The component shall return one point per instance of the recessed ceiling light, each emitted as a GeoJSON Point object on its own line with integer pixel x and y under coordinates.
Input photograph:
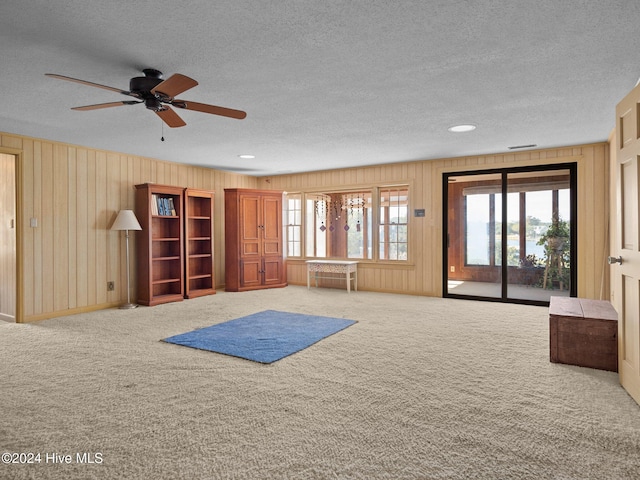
{"type": "Point", "coordinates": [462, 128]}
{"type": "Point", "coordinates": [246, 156]}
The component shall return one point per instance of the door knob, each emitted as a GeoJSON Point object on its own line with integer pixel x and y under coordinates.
{"type": "Point", "coordinates": [614, 260]}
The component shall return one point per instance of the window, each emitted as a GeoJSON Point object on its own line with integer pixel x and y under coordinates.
{"type": "Point", "coordinates": [357, 224]}
{"type": "Point", "coordinates": [393, 223]}
{"type": "Point", "coordinates": [294, 225]}
{"type": "Point", "coordinates": [479, 228]}
{"type": "Point", "coordinates": [338, 225]}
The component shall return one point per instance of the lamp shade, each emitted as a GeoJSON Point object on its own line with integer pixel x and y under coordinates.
{"type": "Point", "coordinates": [126, 220]}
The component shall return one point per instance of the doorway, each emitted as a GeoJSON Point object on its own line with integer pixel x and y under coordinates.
{"type": "Point", "coordinates": [509, 234]}
{"type": "Point", "coordinates": [8, 253]}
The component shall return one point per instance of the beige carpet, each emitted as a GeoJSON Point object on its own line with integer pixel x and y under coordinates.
{"type": "Point", "coordinates": [420, 388]}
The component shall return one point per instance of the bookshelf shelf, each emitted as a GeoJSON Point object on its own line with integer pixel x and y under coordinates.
{"type": "Point", "coordinates": [166, 280]}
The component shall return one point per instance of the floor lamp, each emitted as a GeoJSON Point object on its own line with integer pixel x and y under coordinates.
{"type": "Point", "coordinates": [126, 220]}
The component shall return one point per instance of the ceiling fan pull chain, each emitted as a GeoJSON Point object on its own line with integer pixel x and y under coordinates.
{"type": "Point", "coordinates": [162, 131]}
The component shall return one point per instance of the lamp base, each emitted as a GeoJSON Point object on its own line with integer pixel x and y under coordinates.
{"type": "Point", "coordinates": [128, 306]}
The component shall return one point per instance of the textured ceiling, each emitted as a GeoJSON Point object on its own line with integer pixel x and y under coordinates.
{"type": "Point", "coordinates": [325, 84]}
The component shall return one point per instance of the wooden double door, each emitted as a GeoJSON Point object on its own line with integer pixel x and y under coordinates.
{"type": "Point", "coordinates": [253, 239]}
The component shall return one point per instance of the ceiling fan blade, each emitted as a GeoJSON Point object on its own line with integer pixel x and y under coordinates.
{"type": "Point", "coordinates": [170, 117]}
{"type": "Point", "coordinates": [105, 105]}
{"type": "Point", "coordinates": [174, 85]}
{"type": "Point", "coordinates": [203, 107]}
{"type": "Point", "coordinates": [90, 84]}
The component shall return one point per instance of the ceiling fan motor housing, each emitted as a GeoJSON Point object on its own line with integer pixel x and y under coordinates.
{"type": "Point", "coordinates": [142, 86]}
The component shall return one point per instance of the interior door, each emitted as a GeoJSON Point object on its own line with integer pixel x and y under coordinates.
{"type": "Point", "coordinates": [625, 244]}
{"type": "Point", "coordinates": [8, 255]}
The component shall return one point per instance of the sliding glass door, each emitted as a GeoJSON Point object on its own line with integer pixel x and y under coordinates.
{"type": "Point", "coordinates": [509, 234]}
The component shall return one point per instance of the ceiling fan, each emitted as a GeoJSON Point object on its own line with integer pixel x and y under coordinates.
{"type": "Point", "coordinates": [157, 95]}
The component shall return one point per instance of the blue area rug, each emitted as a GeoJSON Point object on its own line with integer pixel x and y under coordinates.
{"type": "Point", "coordinates": [263, 337]}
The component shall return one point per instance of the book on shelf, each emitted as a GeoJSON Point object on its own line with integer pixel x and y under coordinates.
{"type": "Point", "coordinates": [154, 204]}
{"type": "Point", "coordinates": [162, 206]}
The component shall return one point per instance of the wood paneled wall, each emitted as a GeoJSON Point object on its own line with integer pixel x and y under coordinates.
{"type": "Point", "coordinates": [423, 274]}
{"type": "Point", "coordinates": [74, 194]}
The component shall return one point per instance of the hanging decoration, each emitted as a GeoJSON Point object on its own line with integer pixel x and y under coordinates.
{"type": "Point", "coordinates": [321, 208]}
{"type": "Point", "coordinates": [349, 209]}
{"type": "Point", "coordinates": [331, 208]}
{"type": "Point", "coordinates": [360, 203]}
{"type": "Point", "coordinates": [334, 213]}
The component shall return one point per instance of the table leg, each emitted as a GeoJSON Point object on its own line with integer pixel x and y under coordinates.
{"type": "Point", "coordinates": [308, 278]}
{"type": "Point", "coordinates": [348, 276]}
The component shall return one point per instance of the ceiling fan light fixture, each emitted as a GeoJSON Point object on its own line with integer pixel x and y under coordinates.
{"type": "Point", "coordinates": [463, 128]}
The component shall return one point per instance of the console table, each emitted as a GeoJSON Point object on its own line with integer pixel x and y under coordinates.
{"type": "Point", "coordinates": [348, 268]}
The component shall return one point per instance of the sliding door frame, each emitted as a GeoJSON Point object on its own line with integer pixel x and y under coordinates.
{"type": "Point", "coordinates": [504, 172]}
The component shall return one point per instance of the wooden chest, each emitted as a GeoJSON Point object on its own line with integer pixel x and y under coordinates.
{"type": "Point", "coordinates": [583, 332]}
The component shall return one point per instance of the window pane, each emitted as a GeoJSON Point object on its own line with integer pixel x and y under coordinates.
{"type": "Point", "coordinates": [310, 223]}
{"type": "Point", "coordinates": [513, 229]}
{"type": "Point", "coordinates": [539, 211]}
{"type": "Point", "coordinates": [316, 239]}
{"type": "Point", "coordinates": [543, 270]}
{"type": "Point", "coordinates": [293, 237]}
{"type": "Point", "coordinates": [564, 204]}
{"type": "Point", "coordinates": [477, 229]}
{"type": "Point", "coordinates": [357, 206]}
{"type": "Point", "coordinates": [294, 224]}
{"type": "Point", "coordinates": [497, 246]}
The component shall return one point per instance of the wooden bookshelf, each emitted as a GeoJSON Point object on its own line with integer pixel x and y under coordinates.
{"type": "Point", "coordinates": [199, 260]}
{"type": "Point", "coordinates": [160, 257]}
